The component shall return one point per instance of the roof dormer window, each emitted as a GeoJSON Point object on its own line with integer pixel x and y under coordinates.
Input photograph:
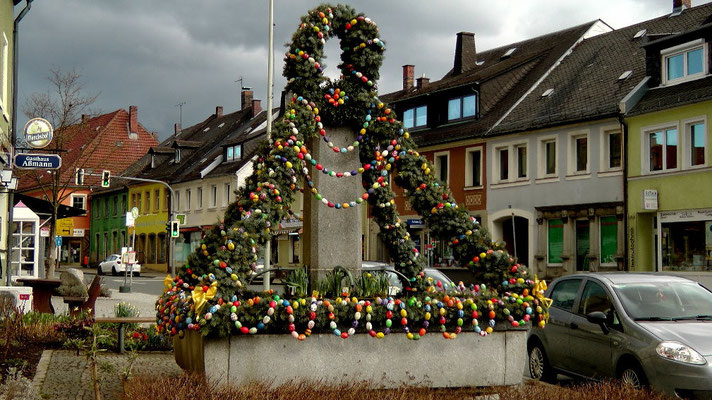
{"type": "Point", "coordinates": [233, 152]}
{"type": "Point", "coordinates": [462, 107]}
{"type": "Point", "coordinates": [415, 117]}
{"type": "Point", "coordinates": [177, 156]}
{"type": "Point", "coordinates": [684, 62]}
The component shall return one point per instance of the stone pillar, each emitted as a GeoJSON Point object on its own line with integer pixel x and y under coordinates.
{"type": "Point", "coordinates": [333, 237]}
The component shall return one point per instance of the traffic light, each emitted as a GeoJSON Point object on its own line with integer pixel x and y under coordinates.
{"type": "Point", "coordinates": [175, 229]}
{"type": "Point", "coordinates": [79, 176]}
{"type": "Point", "coordinates": [105, 178]}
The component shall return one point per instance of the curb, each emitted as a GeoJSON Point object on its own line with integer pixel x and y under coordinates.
{"type": "Point", "coordinates": [41, 373]}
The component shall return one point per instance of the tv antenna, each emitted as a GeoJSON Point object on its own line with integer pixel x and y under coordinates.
{"type": "Point", "coordinates": [242, 87]}
{"type": "Point", "coordinates": [180, 112]}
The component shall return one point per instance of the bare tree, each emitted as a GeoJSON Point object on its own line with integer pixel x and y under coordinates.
{"type": "Point", "coordinates": [63, 105]}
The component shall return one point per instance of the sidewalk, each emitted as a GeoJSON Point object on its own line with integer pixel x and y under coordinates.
{"type": "Point", "coordinates": [64, 375]}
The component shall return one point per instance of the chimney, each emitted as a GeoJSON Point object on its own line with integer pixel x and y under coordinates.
{"type": "Point", "coordinates": [465, 52]}
{"type": "Point", "coordinates": [246, 99]}
{"type": "Point", "coordinates": [133, 119]}
{"type": "Point", "coordinates": [679, 5]}
{"type": "Point", "coordinates": [408, 72]}
{"type": "Point", "coordinates": [256, 107]}
{"type": "Point", "coordinates": [176, 129]}
{"type": "Point", "coordinates": [218, 111]}
{"type": "Point", "coordinates": [423, 82]}
{"type": "Point", "coordinates": [85, 118]}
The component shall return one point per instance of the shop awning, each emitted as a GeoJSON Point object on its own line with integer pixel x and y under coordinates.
{"type": "Point", "coordinates": [43, 208]}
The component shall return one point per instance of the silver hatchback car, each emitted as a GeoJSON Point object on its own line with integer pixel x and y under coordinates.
{"type": "Point", "coordinates": [646, 329]}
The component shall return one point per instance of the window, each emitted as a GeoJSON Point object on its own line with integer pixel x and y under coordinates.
{"type": "Point", "coordinates": [187, 200]}
{"type": "Point", "coordinates": [415, 117]}
{"type": "Point", "coordinates": [521, 160]}
{"type": "Point", "coordinates": [509, 160]}
{"type": "Point", "coordinates": [547, 155]}
{"type": "Point", "coordinates": [295, 248]}
{"type": "Point", "coordinates": [441, 166]}
{"type": "Point", "coordinates": [233, 152]}
{"type": "Point", "coordinates": [462, 107]}
{"type": "Point", "coordinates": [148, 202]}
{"type": "Point", "coordinates": [697, 139]}
{"type": "Point", "coordinates": [662, 147]}
{"type": "Point", "coordinates": [79, 201]}
{"type": "Point", "coordinates": [555, 242]}
{"type": "Point", "coordinates": [564, 294]}
{"type": "Point", "coordinates": [684, 62]}
{"type": "Point", "coordinates": [156, 200]}
{"type": "Point", "coordinates": [609, 240]}
{"type": "Point", "coordinates": [594, 298]}
{"type": "Point", "coordinates": [123, 204]}
{"type": "Point", "coordinates": [213, 196]}
{"type": "Point", "coordinates": [578, 154]}
{"type": "Point", "coordinates": [503, 163]}
{"type": "Point", "coordinates": [473, 171]}
{"type": "Point", "coordinates": [133, 200]}
{"type": "Point", "coordinates": [116, 205]}
{"type": "Point", "coordinates": [4, 73]}
{"type": "Point", "coordinates": [199, 198]}
{"type": "Point", "coordinates": [106, 207]}
{"type": "Point", "coordinates": [177, 205]}
{"type": "Point", "coordinates": [97, 208]}
{"type": "Point", "coordinates": [138, 201]}
{"type": "Point", "coordinates": [226, 195]}
{"type": "Point", "coordinates": [612, 150]}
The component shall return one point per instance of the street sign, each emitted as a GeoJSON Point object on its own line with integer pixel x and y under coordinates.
{"type": "Point", "coordinates": [38, 133]}
{"type": "Point", "coordinates": [65, 227]}
{"type": "Point", "coordinates": [38, 161]}
{"type": "Point", "coordinates": [181, 218]}
{"type": "Point", "coordinates": [58, 241]}
{"type": "Point", "coordinates": [130, 220]}
{"type": "Point", "coordinates": [134, 212]}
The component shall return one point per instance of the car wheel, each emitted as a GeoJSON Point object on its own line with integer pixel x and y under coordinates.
{"type": "Point", "coordinates": [633, 375]}
{"type": "Point", "coordinates": [99, 271]}
{"type": "Point", "coordinates": [539, 367]}
{"type": "Point", "coordinates": [113, 271]}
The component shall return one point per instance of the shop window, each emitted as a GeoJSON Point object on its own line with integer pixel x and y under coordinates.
{"type": "Point", "coordinates": [583, 244]}
{"type": "Point", "coordinates": [415, 117]}
{"type": "Point", "coordinates": [609, 240]}
{"type": "Point", "coordinates": [555, 241]}
{"type": "Point", "coordinates": [684, 245]}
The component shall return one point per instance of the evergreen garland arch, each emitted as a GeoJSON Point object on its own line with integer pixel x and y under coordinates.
{"type": "Point", "coordinates": [209, 294]}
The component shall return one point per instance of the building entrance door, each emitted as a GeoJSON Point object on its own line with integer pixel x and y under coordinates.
{"type": "Point", "coordinates": [583, 244]}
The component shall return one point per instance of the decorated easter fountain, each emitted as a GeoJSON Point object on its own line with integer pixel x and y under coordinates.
{"type": "Point", "coordinates": [233, 335]}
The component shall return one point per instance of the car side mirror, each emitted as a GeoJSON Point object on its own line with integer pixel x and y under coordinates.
{"type": "Point", "coordinates": [598, 317]}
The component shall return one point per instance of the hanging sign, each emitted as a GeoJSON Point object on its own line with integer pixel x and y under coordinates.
{"type": "Point", "coordinates": [38, 161]}
{"type": "Point", "coordinates": [38, 133]}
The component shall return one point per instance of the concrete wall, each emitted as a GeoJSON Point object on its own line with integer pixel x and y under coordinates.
{"type": "Point", "coordinates": [469, 360]}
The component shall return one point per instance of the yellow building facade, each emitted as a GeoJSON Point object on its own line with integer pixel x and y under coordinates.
{"type": "Point", "coordinates": [150, 239]}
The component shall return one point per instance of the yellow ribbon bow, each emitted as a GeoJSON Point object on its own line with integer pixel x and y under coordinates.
{"type": "Point", "coordinates": [539, 289]}
{"type": "Point", "coordinates": [168, 283]}
{"type": "Point", "coordinates": [201, 297]}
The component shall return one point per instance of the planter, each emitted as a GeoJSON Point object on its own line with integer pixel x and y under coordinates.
{"type": "Point", "coordinates": [432, 361]}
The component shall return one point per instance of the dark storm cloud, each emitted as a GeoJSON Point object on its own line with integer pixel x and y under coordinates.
{"type": "Point", "coordinates": [155, 54]}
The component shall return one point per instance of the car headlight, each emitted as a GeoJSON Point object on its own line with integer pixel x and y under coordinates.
{"type": "Point", "coordinates": [679, 352]}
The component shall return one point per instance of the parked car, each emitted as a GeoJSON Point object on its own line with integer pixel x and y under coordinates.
{"type": "Point", "coordinates": [114, 265]}
{"type": "Point", "coordinates": [646, 329]}
{"type": "Point", "coordinates": [395, 284]}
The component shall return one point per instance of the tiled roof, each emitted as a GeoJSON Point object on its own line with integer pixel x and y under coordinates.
{"type": "Point", "coordinates": [586, 84]}
{"type": "Point", "coordinates": [100, 143]}
{"type": "Point", "coordinates": [674, 96]}
{"type": "Point", "coordinates": [197, 143]}
{"type": "Point", "coordinates": [501, 81]}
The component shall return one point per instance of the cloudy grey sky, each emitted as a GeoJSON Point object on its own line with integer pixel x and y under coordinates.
{"type": "Point", "coordinates": [156, 54]}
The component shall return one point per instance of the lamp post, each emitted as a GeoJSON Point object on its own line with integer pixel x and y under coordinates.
{"type": "Point", "coordinates": [270, 73]}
